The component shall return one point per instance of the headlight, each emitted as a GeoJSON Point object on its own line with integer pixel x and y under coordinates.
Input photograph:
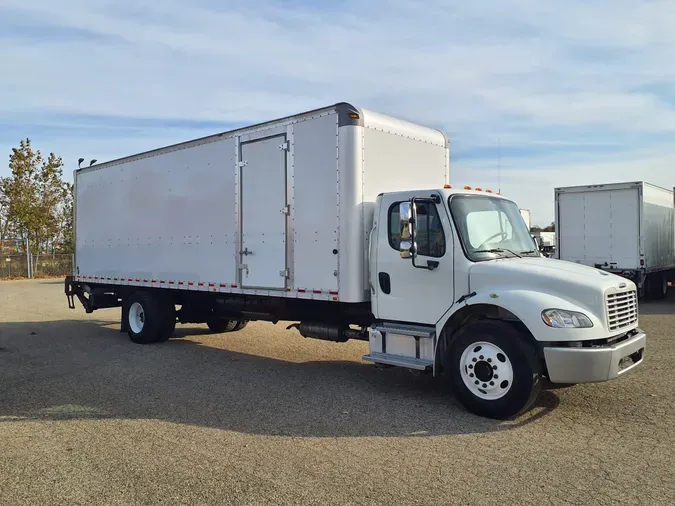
{"type": "Point", "coordinates": [558, 318]}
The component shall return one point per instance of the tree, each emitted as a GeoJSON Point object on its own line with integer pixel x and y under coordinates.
{"type": "Point", "coordinates": [34, 196]}
{"type": "Point", "coordinates": [65, 240]}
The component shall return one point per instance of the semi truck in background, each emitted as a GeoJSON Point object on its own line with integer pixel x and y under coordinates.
{"type": "Point", "coordinates": [341, 222]}
{"type": "Point", "coordinates": [623, 228]}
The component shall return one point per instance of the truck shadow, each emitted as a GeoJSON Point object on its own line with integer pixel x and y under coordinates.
{"type": "Point", "coordinates": [89, 370]}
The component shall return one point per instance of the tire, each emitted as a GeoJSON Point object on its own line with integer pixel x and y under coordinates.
{"type": "Point", "coordinates": [662, 286]}
{"type": "Point", "coordinates": [146, 318]}
{"type": "Point", "coordinates": [169, 311]}
{"type": "Point", "coordinates": [221, 325]}
{"type": "Point", "coordinates": [241, 324]}
{"type": "Point", "coordinates": [477, 353]}
{"type": "Point", "coordinates": [657, 286]}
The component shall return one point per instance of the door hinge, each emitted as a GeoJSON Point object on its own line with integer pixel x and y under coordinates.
{"type": "Point", "coordinates": [286, 209]}
{"type": "Point", "coordinates": [286, 273]}
{"type": "Point", "coordinates": [285, 146]}
{"type": "Point", "coordinates": [243, 163]}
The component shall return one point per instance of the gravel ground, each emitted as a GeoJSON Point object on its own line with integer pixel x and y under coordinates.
{"type": "Point", "coordinates": [264, 416]}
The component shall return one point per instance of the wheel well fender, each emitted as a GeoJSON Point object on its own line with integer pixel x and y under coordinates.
{"type": "Point", "coordinates": [472, 313]}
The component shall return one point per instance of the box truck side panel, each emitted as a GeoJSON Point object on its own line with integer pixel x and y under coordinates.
{"type": "Point", "coordinates": [165, 217]}
{"type": "Point", "coordinates": [315, 206]}
{"type": "Point", "coordinates": [600, 226]}
{"type": "Point", "coordinates": [658, 221]}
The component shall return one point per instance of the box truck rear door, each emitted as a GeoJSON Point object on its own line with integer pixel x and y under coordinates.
{"type": "Point", "coordinates": [600, 226]}
{"type": "Point", "coordinates": [263, 204]}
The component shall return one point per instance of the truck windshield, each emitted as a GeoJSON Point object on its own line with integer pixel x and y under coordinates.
{"type": "Point", "coordinates": [491, 227]}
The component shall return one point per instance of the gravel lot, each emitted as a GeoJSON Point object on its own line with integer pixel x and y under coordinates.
{"type": "Point", "coordinates": [264, 416]}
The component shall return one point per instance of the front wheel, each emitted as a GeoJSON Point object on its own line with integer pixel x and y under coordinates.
{"type": "Point", "coordinates": [494, 370]}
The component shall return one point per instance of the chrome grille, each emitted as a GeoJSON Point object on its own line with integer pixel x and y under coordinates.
{"type": "Point", "coordinates": [622, 309]}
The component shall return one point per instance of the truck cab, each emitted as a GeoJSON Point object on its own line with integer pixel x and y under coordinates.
{"type": "Point", "coordinates": [458, 286]}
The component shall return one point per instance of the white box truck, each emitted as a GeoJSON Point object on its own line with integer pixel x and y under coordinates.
{"type": "Point", "coordinates": [342, 221]}
{"type": "Point", "coordinates": [624, 228]}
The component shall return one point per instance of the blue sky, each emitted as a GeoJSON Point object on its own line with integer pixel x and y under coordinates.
{"type": "Point", "coordinates": [533, 93]}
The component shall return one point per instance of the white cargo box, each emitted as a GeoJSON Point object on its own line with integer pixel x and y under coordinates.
{"type": "Point", "coordinates": [283, 208]}
{"type": "Point", "coordinates": [621, 226]}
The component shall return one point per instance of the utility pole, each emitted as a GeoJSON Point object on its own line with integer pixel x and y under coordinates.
{"type": "Point", "coordinates": [28, 258]}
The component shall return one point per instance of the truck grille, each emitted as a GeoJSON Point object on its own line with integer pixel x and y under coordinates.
{"type": "Point", "coordinates": [622, 309]}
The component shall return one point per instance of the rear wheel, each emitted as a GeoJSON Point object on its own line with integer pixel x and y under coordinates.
{"type": "Point", "coordinates": [147, 318]}
{"type": "Point", "coordinates": [241, 324]}
{"type": "Point", "coordinates": [657, 286]}
{"type": "Point", "coordinates": [494, 370]}
{"type": "Point", "coordinates": [221, 325]}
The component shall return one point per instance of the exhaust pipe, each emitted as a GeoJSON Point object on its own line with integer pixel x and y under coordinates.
{"type": "Point", "coordinates": [326, 332]}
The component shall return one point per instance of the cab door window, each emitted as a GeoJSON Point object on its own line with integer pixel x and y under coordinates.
{"type": "Point", "coordinates": [428, 229]}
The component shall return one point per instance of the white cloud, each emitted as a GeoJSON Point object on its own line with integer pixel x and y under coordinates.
{"type": "Point", "coordinates": [531, 73]}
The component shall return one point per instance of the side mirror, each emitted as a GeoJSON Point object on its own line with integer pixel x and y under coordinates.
{"type": "Point", "coordinates": [406, 226]}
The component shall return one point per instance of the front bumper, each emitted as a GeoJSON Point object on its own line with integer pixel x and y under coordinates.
{"type": "Point", "coordinates": [595, 364]}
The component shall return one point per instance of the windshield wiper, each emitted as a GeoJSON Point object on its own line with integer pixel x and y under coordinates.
{"type": "Point", "coordinates": [498, 250]}
{"type": "Point", "coordinates": [527, 252]}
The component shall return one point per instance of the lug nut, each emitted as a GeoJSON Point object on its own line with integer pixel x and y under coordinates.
{"type": "Point", "coordinates": [471, 375]}
{"type": "Point", "coordinates": [489, 360]}
{"type": "Point", "coordinates": [470, 366]}
{"type": "Point", "coordinates": [492, 383]}
{"type": "Point", "coordinates": [476, 382]}
{"type": "Point", "coordinates": [474, 359]}
{"type": "Point", "coordinates": [484, 385]}
{"type": "Point", "coordinates": [481, 357]}
{"type": "Point", "coordinates": [494, 367]}
{"type": "Point", "coordinates": [496, 377]}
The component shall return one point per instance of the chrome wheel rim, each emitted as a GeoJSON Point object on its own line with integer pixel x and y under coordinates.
{"type": "Point", "coordinates": [486, 370]}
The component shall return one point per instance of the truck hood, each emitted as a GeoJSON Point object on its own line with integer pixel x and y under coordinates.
{"type": "Point", "coordinates": [581, 285]}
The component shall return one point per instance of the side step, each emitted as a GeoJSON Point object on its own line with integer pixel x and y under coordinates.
{"type": "Point", "coordinates": [419, 364]}
{"type": "Point", "coordinates": [405, 330]}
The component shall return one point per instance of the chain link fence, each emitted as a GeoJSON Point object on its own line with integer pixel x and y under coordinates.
{"type": "Point", "coordinates": [44, 266]}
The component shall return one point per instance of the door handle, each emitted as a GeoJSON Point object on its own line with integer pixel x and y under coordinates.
{"type": "Point", "coordinates": [385, 282]}
{"type": "Point", "coordinates": [246, 252]}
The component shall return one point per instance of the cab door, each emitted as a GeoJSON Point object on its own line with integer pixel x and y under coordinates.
{"type": "Point", "coordinates": [403, 292]}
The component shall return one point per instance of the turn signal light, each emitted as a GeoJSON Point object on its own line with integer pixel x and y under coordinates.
{"type": "Point", "coordinates": [467, 187]}
{"type": "Point", "coordinates": [447, 186]}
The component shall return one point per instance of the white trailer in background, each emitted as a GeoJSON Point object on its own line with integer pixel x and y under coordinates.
{"type": "Point", "coordinates": [342, 220]}
{"type": "Point", "coordinates": [525, 213]}
{"type": "Point", "coordinates": [623, 228]}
